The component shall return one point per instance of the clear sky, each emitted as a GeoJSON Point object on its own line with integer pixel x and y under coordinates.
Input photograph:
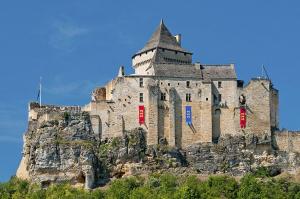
{"type": "Point", "coordinates": [76, 45]}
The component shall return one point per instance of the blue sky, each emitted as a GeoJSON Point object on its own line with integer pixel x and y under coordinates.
{"type": "Point", "coordinates": [76, 45]}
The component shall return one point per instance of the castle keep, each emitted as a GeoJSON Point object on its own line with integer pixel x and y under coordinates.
{"type": "Point", "coordinates": [172, 98]}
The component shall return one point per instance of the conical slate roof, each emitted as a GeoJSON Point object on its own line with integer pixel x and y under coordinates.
{"type": "Point", "coordinates": [162, 38]}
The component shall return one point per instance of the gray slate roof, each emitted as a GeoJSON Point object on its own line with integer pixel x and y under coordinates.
{"type": "Point", "coordinates": [162, 38]}
{"type": "Point", "coordinates": [211, 72]}
{"type": "Point", "coordinates": [177, 70]}
{"type": "Point", "coordinates": [206, 72]}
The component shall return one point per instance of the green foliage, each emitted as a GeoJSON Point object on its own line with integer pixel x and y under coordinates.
{"type": "Point", "coordinates": [14, 188]}
{"type": "Point", "coordinates": [249, 188]}
{"type": "Point", "coordinates": [160, 186]}
{"type": "Point", "coordinates": [66, 116]}
{"type": "Point", "coordinates": [219, 187]}
{"type": "Point", "coordinates": [189, 189]}
{"type": "Point", "coordinates": [262, 172]}
{"type": "Point", "coordinates": [123, 187]}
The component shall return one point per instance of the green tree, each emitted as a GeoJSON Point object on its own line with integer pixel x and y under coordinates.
{"type": "Point", "coordinates": [121, 189]}
{"type": "Point", "coordinates": [190, 189]}
{"type": "Point", "coordinates": [219, 187]}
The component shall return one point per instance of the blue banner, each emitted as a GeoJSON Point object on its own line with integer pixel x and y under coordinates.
{"type": "Point", "coordinates": [188, 115]}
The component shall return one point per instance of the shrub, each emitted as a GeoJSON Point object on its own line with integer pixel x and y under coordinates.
{"type": "Point", "coordinates": [219, 187]}
{"type": "Point", "coordinates": [249, 188]}
{"type": "Point", "coordinates": [123, 187]}
{"type": "Point", "coordinates": [189, 189]}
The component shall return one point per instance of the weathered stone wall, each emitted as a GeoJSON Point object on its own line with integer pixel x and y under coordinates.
{"type": "Point", "coordinates": [258, 99]}
{"type": "Point", "coordinates": [120, 112]}
{"type": "Point", "coordinates": [142, 62]}
{"type": "Point", "coordinates": [223, 113]}
{"type": "Point", "coordinates": [211, 117]}
{"type": "Point", "coordinates": [274, 106]}
{"type": "Point", "coordinates": [287, 141]}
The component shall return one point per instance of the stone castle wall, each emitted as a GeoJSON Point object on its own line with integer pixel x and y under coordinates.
{"type": "Point", "coordinates": [211, 117]}
{"type": "Point", "coordinates": [114, 109]}
{"type": "Point", "coordinates": [287, 141]}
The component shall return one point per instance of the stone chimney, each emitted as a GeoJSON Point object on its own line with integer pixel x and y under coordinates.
{"type": "Point", "coordinates": [121, 71]}
{"type": "Point", "coordinates": [178, 39]}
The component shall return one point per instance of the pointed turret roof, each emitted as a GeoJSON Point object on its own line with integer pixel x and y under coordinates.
{"type": "Point", "coordinates": [162, 38]}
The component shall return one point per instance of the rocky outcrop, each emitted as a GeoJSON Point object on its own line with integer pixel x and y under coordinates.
{"type": "Point", "coordinates": [60, 145]}
{"type": "Point", "coordinates": [61, 149]}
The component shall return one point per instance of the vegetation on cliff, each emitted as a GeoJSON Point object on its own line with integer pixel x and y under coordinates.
{"type": "Point", "coordinates": [162, 186]}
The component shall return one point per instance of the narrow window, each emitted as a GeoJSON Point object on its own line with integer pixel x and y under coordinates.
{"type": "Point", "coordinates": [207, 99]}
{"type": "Point", "coordinates": [220, 97]}
{"type": "Point", "coordinates": [188, 97]}
{"type": "Point", "coordinates": [188, 84]}
{"type": "Point", "coordinates": [215, 99]}
{"type": "Point", "coordinates": [141, 82]}
{"type": "Point", "coordinates": [169, 84]}
{"type": "Point", "coordinates": [163, 96]}
{"type": "Point", "coordinates": [219, 84]}
{"type": "Point", "coordinates": [141, 97]}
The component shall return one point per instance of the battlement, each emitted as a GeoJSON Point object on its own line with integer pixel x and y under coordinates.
{"type": "Point", "coordinates": [46, 112]}
{"type": "Point", "coordinates": [287, 140]}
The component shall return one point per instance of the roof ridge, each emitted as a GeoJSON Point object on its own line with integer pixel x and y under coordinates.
{"type": "Point", "coordinates": [162, 38]}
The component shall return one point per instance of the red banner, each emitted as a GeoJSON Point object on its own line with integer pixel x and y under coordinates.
{"type": "Point", "coordinates": [243, 117]}
{"type": "Point", "coordinates": [141, 114]}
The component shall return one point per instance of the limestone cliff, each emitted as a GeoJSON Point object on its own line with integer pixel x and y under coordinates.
{"type": "Point", "coordinates": [60, 146]}
{"type": "Point", "coordinates": [62, 149]}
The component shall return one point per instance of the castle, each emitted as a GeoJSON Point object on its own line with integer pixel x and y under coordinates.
{"type": "Point", "coordinates": [183, 102]}
{"type": "Point", "coordinates": [168, 100]}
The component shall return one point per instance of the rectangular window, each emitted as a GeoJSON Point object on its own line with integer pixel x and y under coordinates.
{"type": "Point", "coordinates": [163, 96]}
{"type": "Point", "coordinates": [219, 84]}
{"type": "Point", "coordinates": [141, 97]}
{"type": "Point", "coordinates": [220, 97]}
{"type": "Point", "coordinates": [141, 82]}
{"type": "Point", "coordinates": [188, 84]}
{"type": "Point", "coordinates": [188, 97]}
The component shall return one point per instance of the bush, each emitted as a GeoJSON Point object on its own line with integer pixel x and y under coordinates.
{"type": "Point", "coordinates": [220, 187]}
{"type": "Point", "coordinates": [164, 186]}
{"type": "Point", "coordinates": [123, 187]}
{"type": "Point", "coordinates": [189, 189]}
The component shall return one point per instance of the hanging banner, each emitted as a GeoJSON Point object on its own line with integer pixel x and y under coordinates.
{"type": "Point", "coordinates": [188, 115]}
{"type": "Point", "coordinates": [141, 114]}
{"type": "Point", "coordinates": [243, 117]}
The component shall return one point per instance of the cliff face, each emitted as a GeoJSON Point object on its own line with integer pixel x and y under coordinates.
{"type": "Point", "coordinates": [60, 146]}
{"type": "Point", "coordinates": [62, 149]}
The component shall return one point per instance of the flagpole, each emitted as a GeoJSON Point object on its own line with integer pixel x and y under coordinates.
{"type": "Point", "coordinates": [40, 91]}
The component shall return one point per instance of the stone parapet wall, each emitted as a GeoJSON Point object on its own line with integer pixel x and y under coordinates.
{"type": "Point", "coordinates": [287, 141]}
{"type": "Point", "coordinates": [49, 112]}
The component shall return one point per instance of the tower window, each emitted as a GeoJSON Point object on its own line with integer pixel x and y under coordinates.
{"type": "Point", "coordinates": [141, 82]}
{"type": "Point", "coordinates": [220, 97]}
{"type": "Point", "coordinates": [141, 97]}
{"type": "Point", "coordinates": [219, 84]}
{"type": "Point", "coordinates": [163, 96]}
{"type": "Point", "coordinates": [188, 97]}
{"type": "Point", "coordinates": [188, 84]}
